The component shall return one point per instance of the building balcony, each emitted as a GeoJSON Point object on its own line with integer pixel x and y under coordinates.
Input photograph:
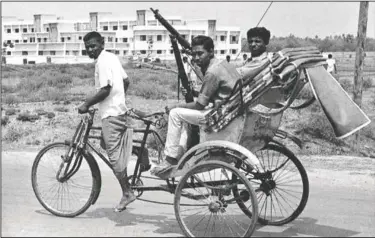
{"type": "Point", "coordinates": [51, 46]}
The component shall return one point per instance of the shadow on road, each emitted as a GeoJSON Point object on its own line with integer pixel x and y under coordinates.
{"type": "Point", "coordinates": [303, 226]}
{"type": "Point", "coordinates": [126, 218]}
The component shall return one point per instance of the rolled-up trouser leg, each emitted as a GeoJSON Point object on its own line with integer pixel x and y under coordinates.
{"type": "Point", "coordinates": [118, 143]}
{"type": "Point", "coordinates": [179, 130]}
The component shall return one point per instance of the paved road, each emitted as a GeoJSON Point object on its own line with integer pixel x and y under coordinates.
{"type": "Point", "coordinates": [341, 203]}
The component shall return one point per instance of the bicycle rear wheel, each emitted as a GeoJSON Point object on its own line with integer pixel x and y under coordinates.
{"type": "Point", "coordinates": [205, 205]}
{"type": "Point", "coordinates": [67, 197]}
{"type": "Point", "coordinates": [282, 188]}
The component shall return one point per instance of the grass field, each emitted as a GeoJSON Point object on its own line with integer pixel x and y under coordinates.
{"type": "Point", "coordinates": [39, 106]}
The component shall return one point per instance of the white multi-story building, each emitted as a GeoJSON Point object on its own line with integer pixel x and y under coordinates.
{"type": "Point", "coordinates": [49, 38]}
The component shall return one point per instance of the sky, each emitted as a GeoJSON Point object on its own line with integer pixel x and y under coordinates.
{"type": "Point", "coordinates": [302, 19]}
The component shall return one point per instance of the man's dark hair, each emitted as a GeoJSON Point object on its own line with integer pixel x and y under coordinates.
{"type": "Point", "coordinates": [93, 35]}
{"type": "Point", "coordinates": [244, 55]}
{"type": "Point", "coordinates": [207, 42]}
{"type": "Point", "coordinates": [260, 32]}
{"type": "Point", "coordinates": [329, 56]}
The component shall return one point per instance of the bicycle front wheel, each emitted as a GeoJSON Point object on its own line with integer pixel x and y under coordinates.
{"type": "Point", "coordinates": [64, 188]}
{"type": "Point", "coordinates": [205, 205]}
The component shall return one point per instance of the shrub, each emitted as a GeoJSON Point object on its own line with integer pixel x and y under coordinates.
{"type": "Point", "coordinates": [15, 132]}
{"type": "Point", "coordinates": [61, 109]}
{"type": "Point", "coordinates": [150, 90]}
{"type": "Point", "coordinates": [4, 120]}
{"type": "Point", "coordinates": [11, 111]}
{"type": "Point", "coordinates": [8, 88]}
{"type": "Point", "coordinates": [11, 99]}
{"type": "Point", "coordinates": [367, 83]}
{"type": "Point", "coordinates": [52, 94]}
{"type": "Point", "coordinates": [50, 115]}
{"type": "Point", "coordinates": [40, 112]}
{"type": "Point", "coordinates": [26, 116]}
{"type": "Point", "coordinates": [347, 85]}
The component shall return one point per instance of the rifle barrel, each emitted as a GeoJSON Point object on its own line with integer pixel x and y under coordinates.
{"type": "Point", "coordinates": [184, 43]}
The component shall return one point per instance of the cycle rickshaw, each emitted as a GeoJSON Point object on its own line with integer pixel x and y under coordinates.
{"type": "Point", "coordinates": [236, 176]}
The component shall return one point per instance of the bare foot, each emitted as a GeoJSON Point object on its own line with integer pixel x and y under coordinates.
{"type": "Point", "coordinates": [125, 200]}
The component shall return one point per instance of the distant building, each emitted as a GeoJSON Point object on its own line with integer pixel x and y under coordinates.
{"type": "Point", "coordinates": [49, 37]}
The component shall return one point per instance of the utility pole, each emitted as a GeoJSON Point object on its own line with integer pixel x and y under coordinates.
{"type": "Point", "coordinates": [359, 57]}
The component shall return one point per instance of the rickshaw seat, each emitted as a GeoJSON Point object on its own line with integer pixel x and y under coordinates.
{"type": "Point", "coordinates": [265, 88]}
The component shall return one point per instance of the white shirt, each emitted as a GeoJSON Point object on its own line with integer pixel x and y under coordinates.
{"type": "Point", "coordinates": [331, 62]}
{"type": "Point", "coordinates": [109, 71]}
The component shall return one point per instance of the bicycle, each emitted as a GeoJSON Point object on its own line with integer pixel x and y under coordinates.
{"type": "Point", "coordinates": [212, 187]}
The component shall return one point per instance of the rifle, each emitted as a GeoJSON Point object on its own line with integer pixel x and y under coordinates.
{"type": "Point", "coordinates": [176, 37]}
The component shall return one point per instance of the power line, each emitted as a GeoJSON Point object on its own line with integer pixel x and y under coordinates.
{"type": "Point", "coordinates": [264, 13]}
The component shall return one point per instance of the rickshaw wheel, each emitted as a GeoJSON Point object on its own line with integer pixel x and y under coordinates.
{"type": "Point", "coordinates": [281, 185]}
{"type": "Point", "coordinates": [210, 207]}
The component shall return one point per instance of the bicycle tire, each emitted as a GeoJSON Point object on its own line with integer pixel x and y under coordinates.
{"type": "Point", "coordinates": [38, 189]}
{"type": "Point", "coordinates": [304, 182]}
{"type": "Point", "coordinates": [203, 166]}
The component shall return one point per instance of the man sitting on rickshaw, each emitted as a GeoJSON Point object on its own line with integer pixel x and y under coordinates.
{"type": "Point", "coordinates": [258, 39]}
{"type": "Point", "coordinates": [218, 82]}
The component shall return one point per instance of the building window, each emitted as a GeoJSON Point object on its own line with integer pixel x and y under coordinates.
{"type": "Point", "coordinates": [79, 37]}
{"type": "Point", "coordinates": [68, 37]}
{"type": "Point", "coordinates": [124, 27]}
{"type": "Point", "coordinates": [67, 53]}
{"type": "Point", "coordinates": [24, 41]}
{"type": "Point", "coordinates": [105, 28]}
{"type": "Point", "coordinates": [45, 39]}
{"type": "Point", "coordinates": [116, 40]}
{"type": "Point", "coordinates": [40, 52]}
{"type": "Point", "coordinates": [47, 29]}
{"type": "Point", "coordinates": [233, 38]}
{"type": "Point", "coordinates": [53, 52]}
{"type": "Point", "coordinates": [115, 28]}
{"type": "Point", "coordinates": [9, 31]}
{"type": "Point", "coordinates": [117, 52]}
{"type": "Point", "coordinates": [171, 51]}
{"type": "Point", "coordinates": [234, 51]}
{"type": "Point", "coordinates": [143, 52]}
{"type": "Point", "coordinates": [32, 29]}
{"type": "Point", "coordinates": [159, 37]}
{"type": "Point", "coordinates": [125, 52]}
{"type": "Point", "coordinates": [9, 53]}
{"type": "Point", "coordinates": [110, 39]}
{"type": "Point", "coordinates": [125, 40]}
{"type": "Point", "coordinates": [83, 52]}
{"type": "Point", "coordinates": [16, 30]}
{"type": "Point", "coordinates": [25, 30]}
{"type": "Point", "coordinates": [75, 52]}
{"type": "Point", "coordinates": [25, 53]}
{"type": "Point", "coordinates": [158, 52]}
{"type": "Point", "coordinates": [222, 38]}
{"type": "Point", "coordinates": [143, 37]}
{"type": "Point", "coordinates": [62, 39]}
{"type": "Point", "coordinates": [17, 41]}
{"type": "Point", "coordinates": [222, 52]}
